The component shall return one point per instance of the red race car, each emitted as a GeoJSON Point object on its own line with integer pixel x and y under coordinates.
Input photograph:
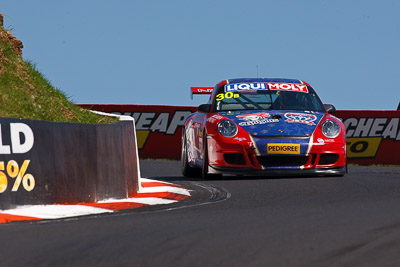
{"type": "Point", "coordinates": [263, 126]}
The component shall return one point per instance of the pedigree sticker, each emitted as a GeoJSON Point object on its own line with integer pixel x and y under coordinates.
{"type": "Point", "coordinates": [293, 149]}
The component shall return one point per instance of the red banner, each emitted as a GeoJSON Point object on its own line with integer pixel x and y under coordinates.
{"type": "Point", "coordinates": [373, 137]}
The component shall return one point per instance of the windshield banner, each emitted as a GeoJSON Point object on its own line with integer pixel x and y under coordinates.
{"type": "Point", "coordinates": [266, 86]}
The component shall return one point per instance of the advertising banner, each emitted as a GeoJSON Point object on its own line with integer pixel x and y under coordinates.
{"type": "Point", "coordinates": [373, 137]}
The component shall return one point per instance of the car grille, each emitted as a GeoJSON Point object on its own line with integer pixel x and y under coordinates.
{"type": "Point", "coordinates": [234, 158]}
{"type": "Point", "coordinates": [326, 159]}
{"type": "Point", "coordinates": [281, 161]}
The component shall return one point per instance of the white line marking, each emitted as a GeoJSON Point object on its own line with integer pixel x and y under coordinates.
{"type": "Point", "coordinates": [55, 211]}
{"type": "Point", "coordinates": [160, 189]}
{"type": "Point", "coordinates": [142, 200]}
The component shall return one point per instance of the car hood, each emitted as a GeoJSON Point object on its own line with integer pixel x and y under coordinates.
{"type": "Point", "coordinates": [288, 123]}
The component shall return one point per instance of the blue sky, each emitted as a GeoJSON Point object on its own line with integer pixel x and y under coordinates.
{"type": "Point", "coordinates": [151, 52]}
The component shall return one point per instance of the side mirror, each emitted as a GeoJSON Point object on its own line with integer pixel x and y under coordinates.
{"type": "Point", "coordinates": [330, 108]}
{"type": "Point", "coordinates": [204, 108]}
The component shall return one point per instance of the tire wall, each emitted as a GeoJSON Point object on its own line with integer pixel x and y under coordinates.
{"type": "Point", "coordinates": [45, 162]}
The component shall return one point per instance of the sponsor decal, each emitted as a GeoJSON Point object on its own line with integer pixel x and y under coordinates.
{"type": "Point", "coordinates": [255, 118]}
{"type": "Point", "coordinates": [323, 141]}
{"type": "Point", "coordinates": [245, 86]}
{"type": "Point", "coordinates": [215, 118]}
{"type": "Point", "coordinates": [364, 135]}
{"type": "Point", "coordinates": [283, 149]}
{"type": "Point", "coordinates": [288, 87]}
{"type": "Point", "coordinates": [202, 90]}
{"type": "Point", "coordinates": [308, 119]}
{"type": "Point", "coordinates": [265, 86]}
{"type": "Point", "coordinates": [11, 169]}
{"type": "Point", "coordinates": [262, 121]}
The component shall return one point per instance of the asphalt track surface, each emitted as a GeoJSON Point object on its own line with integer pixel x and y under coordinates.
{"type": "Point", "coordinates": [235, 221]}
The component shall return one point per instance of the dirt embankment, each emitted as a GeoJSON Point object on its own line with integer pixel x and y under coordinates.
{"type": "Point", "coordinates": [16, 43]}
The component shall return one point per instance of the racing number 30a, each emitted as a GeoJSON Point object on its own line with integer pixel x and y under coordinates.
{"type": "Point", "coordinates": [227, 95]}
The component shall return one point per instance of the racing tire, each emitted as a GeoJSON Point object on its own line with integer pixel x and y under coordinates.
{"type": "Point", "coordinates": [187, 171]}
{"type": "Point", "coordinates": [204, 170]}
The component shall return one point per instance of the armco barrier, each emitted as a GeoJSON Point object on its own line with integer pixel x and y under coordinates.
{"type": "Point", "coordinates": [373, 137]}
{"type": "Point", "coordinates": [48, 162]}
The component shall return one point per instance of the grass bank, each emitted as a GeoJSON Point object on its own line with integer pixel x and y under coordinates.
{"type": "Point", "coordinates": [25, 93]}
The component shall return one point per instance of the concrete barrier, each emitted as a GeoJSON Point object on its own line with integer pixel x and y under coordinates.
{"type": "Point", "coordinates": [158, 128]}
{"type": "Point", "coordinates": [45, 162]}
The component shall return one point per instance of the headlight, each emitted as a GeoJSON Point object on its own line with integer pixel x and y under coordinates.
{"type": "Point", "coordinates": [331, 129]}
{"type": "Point", "coordinates": [227, 128]}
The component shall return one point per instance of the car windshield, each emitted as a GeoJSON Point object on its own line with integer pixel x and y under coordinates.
{"type": "Point", "coordinates": [267, 99]}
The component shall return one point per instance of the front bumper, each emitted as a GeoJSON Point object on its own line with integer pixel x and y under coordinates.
{"type": "Point", "coordinates": [328, 171]}
{"type": "Point", "coordinates": [244, 158]}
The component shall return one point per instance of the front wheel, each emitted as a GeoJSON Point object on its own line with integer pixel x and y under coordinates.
{"type": "Point", "coordinates": [187, 171]}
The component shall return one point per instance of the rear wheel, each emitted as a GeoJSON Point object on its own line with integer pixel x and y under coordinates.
{"type": "Point", "coordinates": [204, 169]}
{"type": "Point", "coordinates": [187, 171]}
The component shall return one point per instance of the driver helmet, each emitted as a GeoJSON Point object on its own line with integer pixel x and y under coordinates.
{"type": "Point", "coordinates": [287, 99]}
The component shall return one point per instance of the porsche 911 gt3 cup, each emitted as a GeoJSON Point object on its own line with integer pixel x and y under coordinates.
{"type": "Point", "coordinates": [263, 126]}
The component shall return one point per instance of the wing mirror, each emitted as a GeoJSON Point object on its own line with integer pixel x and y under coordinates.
{"type": "Point", "coordinates": [330, 108]}
{"type": "Point", "coordinates": [204, 108]}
